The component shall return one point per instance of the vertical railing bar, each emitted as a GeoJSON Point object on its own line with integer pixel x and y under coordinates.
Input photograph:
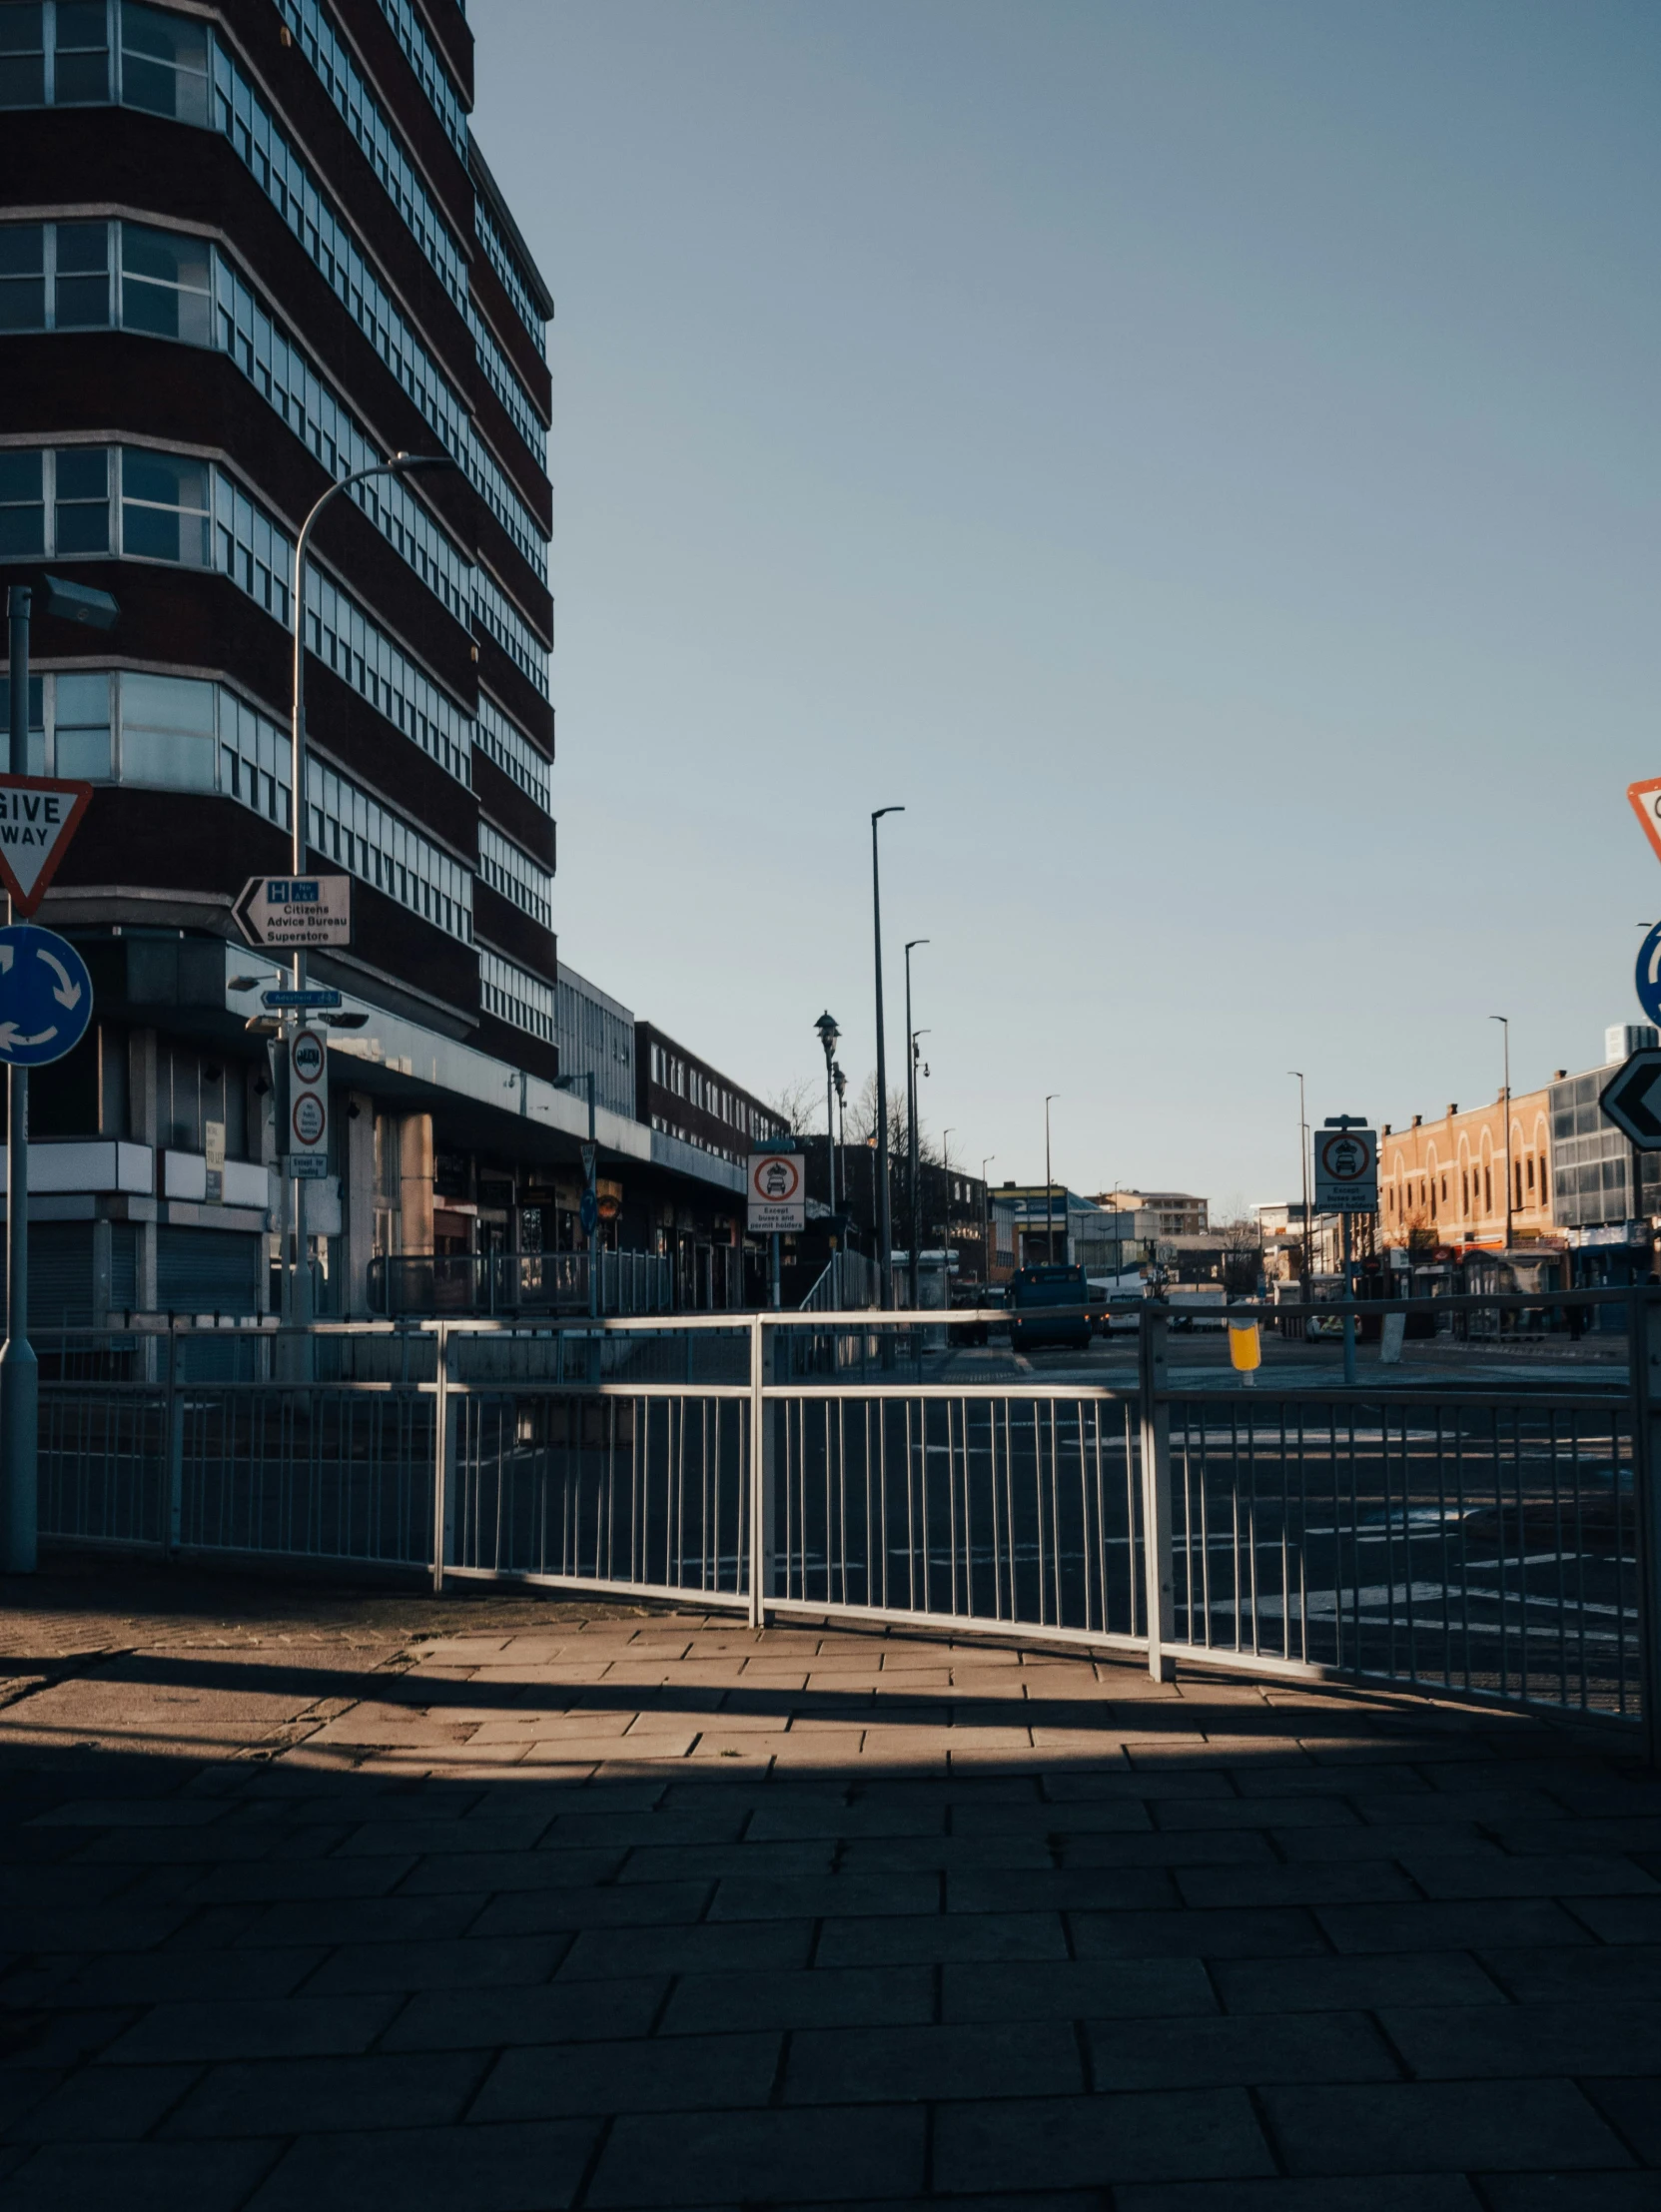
{"type": "Point", "coordinates": [1285, 1554]}
{"type": "Point", "coordinates": [951, 1505]}
{"type": "Point", "coordinates": [1083, 1508]}
{"type": "Point", "coordinates": [1583, 1659]}
{"type": "Point", "coordinates": [1101, 1521]}
{"type": "Point", "coordinates": [1059, 1614]}
{"type": "Point", "coordinates": [1390, 1665]}
{"type": "Point", "coordinates": [1009, 1505]}
{"type": "Point", "coordinates": [1562, 1589]}
{"type": "Point", "coordinates": [1250, 1508]}
{"type": "Point", "coordinates": [441, 1456]}
{"type": "Point", "coordinates": [1524, 1630]}
{"type": "Point", "coordinates": [969, 1606]}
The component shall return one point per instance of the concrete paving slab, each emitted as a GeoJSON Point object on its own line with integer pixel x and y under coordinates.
{"type": "Point", "coordinates": [319, 1896]}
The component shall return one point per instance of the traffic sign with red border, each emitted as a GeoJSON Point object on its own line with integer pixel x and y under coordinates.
{"type": "Point", "coordinates": [38, 817]}
{"type": "Point", "coordinates": [777, 1188]}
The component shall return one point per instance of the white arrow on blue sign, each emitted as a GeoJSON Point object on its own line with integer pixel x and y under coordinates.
{"type": "Point", "coordinates": [1648, 977]}
{"type": "Point", "coordinates": [45, 995]}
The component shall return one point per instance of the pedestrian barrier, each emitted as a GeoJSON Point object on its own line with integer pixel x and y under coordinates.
{"type": "Point", "coordinates": [1480, 1530]}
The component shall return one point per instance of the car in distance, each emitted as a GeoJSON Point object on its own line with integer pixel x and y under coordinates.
{"type": "Point", "coordinates": [1050, 1304]}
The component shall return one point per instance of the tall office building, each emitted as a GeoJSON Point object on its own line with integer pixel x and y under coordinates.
{"type": "Point", "coordinates": [244, 250]}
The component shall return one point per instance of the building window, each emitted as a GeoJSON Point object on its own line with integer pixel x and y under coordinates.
{"type": "Point", "coordinates": [81, 52]}
{"type": "Point", "coordinates": [23, 55]}
{"type": "Point", "coordinates": [503, 622]}
{"type": "Point", "coordinates": [510, 869]}
{"type": "Point", "coordinates": [82, 505]}
{"type": "Point", "coordinates": [513, 752]}
{"type": "Point", "coordinates": [22, 271]}
{"type": "Point", "coordinates": [81, 727]}
{"type": "Point", "coordinates": [423, 58]}
{"type": "Point", "coordinates": [164, 62]}
{"type": "Point", "coordinates": [22, 504]}
{"type": "Point", "coordinates": [163, 507]}
{"type": "Point", "coordinates": [168, 732]}
{"type": "Point", "coordinates": [372, 842]}
{"type": "Point", "coordinates": [165, 284]}
{"type": "Point", "coordinates": [514, 995]}
{"type": "Point", "coordinates": [1487, 1189]}
{"type": "Point", "coordinates": [502, 260]}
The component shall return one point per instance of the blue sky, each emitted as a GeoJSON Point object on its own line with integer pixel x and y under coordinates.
{"type": "Point", "coordinates": [1200, 458]}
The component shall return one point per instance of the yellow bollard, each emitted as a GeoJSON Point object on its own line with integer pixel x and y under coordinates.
{"type": "Point", "coordinates": [1246, 1350]}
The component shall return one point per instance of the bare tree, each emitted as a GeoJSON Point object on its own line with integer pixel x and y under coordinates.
{"type": "Point", "coordinates": [862, 1117]}
{"type": "Point", "coordinates": [1242, 1250]}
{"type": "Point", "coordinates": [797, 1103]}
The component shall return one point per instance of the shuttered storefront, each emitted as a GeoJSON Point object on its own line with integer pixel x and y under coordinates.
{"type": "Point", "coordinates": [207, 1271]}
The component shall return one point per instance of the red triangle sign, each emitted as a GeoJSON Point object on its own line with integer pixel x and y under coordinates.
{"type": "Point", "coordinates": [1645, 801]}
{"type": "Point", "coordinates": [38, 817]}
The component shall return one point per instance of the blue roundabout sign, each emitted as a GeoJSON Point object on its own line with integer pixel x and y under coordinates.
{"type": "Point", "coordinates": [1648, 977]}
{"type": "Point", "coordinates": [45, 995]}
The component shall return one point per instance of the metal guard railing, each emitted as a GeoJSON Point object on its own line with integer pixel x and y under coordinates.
{"type": "Point", "coordinates": [1449, 1535]}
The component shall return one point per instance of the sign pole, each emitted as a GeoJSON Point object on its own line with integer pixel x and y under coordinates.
{"type": "Point", "coordinates": [1348, 1308]}
{"type": "Point", "coordinates": [302, 1256]}
{"type": "Point", "coordinates": [19, 1371]}
{"type": "Point", "coordinates": [591, 1165]}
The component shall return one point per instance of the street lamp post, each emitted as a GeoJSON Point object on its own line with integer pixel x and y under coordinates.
{"type": "Point", "coordinates": [1505, 1030]}
{"type": "Point", "coordinates": [985, 1219]}
{"type": "Point", "coordinates": [946, 1200]}
{"type": "Point", "coordinates": [840, 1081]}
{"type": "Point", "coordinates": [911, 1124]}
{"type": "Point", "coordinates": [19, 1369]}
{"type": "Point", "coordinates": [1048, 1198]}
{"type": "Point", "coordinates": [1303, 1156]}
{"type": "Point", "coordinates": [884, 1210]}
{"type": "Point", "coordinates": [828, 1036]}
{"type": "Point", "coordinates": [401, 464]}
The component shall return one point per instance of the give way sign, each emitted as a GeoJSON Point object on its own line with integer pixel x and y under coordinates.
{"type": "Point", "coordinates": [38, 817]}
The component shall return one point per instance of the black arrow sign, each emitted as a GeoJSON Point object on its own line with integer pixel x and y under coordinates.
{"type": "Point", "coordinates": [1633, 1101]}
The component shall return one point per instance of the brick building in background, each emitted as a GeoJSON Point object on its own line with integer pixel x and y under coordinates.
{"type": "Point", "coordinates": [1442, 1183]}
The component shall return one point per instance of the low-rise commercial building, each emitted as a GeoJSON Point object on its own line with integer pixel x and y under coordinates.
{"type": "Point", "coordinates": [1443, 1183]}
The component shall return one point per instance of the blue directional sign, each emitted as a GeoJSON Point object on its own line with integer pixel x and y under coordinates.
{"type": "Point", "coordinates": [1648, 977]}
{"type": "Point", "coordinates": [45, 995]}
{"type": "Point", "coordinates": [589, 1213]}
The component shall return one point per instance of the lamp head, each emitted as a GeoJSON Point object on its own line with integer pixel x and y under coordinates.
{"type": "Point", "coordinates": [828, 1035]}
{"type": "Point", "coordinates": [73, 602]}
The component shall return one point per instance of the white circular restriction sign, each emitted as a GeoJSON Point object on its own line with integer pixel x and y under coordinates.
{"type": "Point", "coordinates": [307, 1057]}
{"type": "Point", "coordinates": [1344, 1158]}
{"type": "Point", "coordinates": [777, 1191]}
{"type": "Point", "coordinates": [311, 1120]}
{"type": "Point", "coordinates": [776, 1179]}
{"type": "Point", "coordinates": [1346, 1169]}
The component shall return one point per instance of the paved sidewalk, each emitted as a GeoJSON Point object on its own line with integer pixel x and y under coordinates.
{"type": "Point", "coordinates": [322, 1900]}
